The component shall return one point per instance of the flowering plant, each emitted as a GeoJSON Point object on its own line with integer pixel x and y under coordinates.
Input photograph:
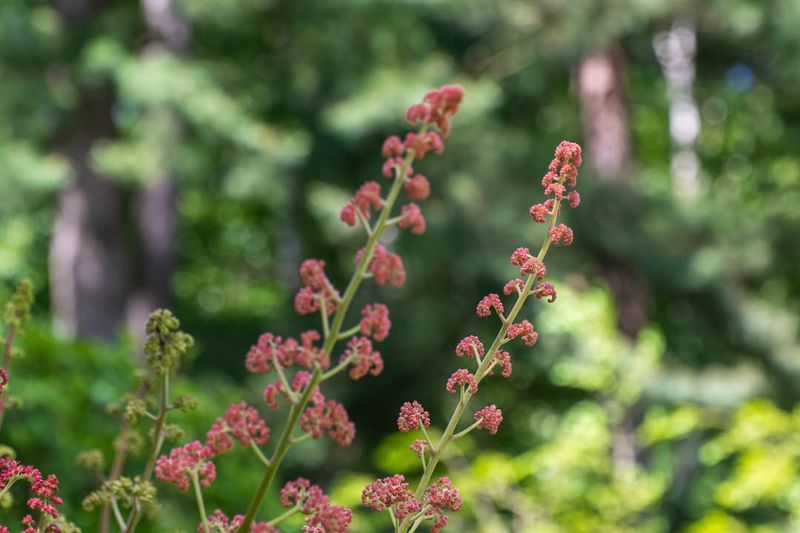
{"type": "Point", "coordinates": [298, 367]}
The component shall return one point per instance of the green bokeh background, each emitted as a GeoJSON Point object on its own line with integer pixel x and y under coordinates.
{"type": "Point", "coordinates": [283, 107]}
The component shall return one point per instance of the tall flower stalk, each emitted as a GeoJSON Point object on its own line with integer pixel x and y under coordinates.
{"type": "Point", "coordinates": [432, 118]}
{"type": "Point", "coordinates": [409, 509]}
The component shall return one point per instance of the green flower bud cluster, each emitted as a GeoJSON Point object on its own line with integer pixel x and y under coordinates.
{"type": "Point", "coordinates": [92, 460]}
{"type": "Point", "coordinates": [125, 490]}
{"type": "Point", "coordinates": [173, 433]}
{"type": "Point", "coordinates": [134, 408]}
{"type": "Point", "coordinates": [185, 403]}
{"type": "Point", "coordinates": [130, 440]}
{"type": "Point", "coordinates": [165, 343]}
{"type": "Point", "coordinates": [18, 308]}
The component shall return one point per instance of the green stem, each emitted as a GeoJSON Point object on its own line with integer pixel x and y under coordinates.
{"type": "Point", "coordinates": [258, 452]}
{"type": "Point", "coordinates": [323, 311]}
{"type": "Point", "coordinates": [8, 486]}
{"type": "Point", "coordinates": [335, 370]}
{"type": "Point", "coordinates": [283, 445]}
{"type": "Point", "coordinates": [465, 431]}
{"type": "Point", "coordinates": [117, 514]}
{"type": "Point", "coordinates": [349, 333]}
{"type": "Point", "coordinates": [285, 382]}
{"type": "Point", "coordinates": [301, 438]}
{"type": "Point", "coordinates": [199, 496]}
{"type": "Point", "coordinates": [418, 521]}
{"type": "Point", "coordinates": [158, 442]}
{"type": "Point", "coordinates": [288, 514]}
{"type": "Point", "coordinates": [330, 342]}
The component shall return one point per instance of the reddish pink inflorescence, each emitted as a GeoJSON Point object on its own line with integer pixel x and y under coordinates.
{"type": "Point", "coordinates": [487, 303]}
{"type": "Point", "coordinates": [362, 357]}
{"type": "Point", "coordinates": [44, 492]}
{"type": "Point", "coordinates": [514, 285]}
{"type": "Point", "coordinates": [464, 378]}
{"type": "Point", "coordinates": [468, 346]}
{"type": "Point", "coordinates": [330, 416]}
{"type": "Point", "coordinates": [302, 493]}
{"type": "Point", "coordinates": [524, 330]}
{"type": "Point", "coordinates": [385, 266]}
{"type": "Point", "coordinates": [387, 492]}
{"type": "Point", "coordinates": [413, 416]}
{"type": "Point", "coordinates": [317, 289]}
{"type": "Point", "coordinates": [545, 290]}
{"type": "Point", "coordinates": [503, 359]}
{"type": "Point", "coordinates": [489, 418]}
{"type": "Point", "coordinates": [442, 496]}
{"type": "Point", "coordinates": [240, 421]}
{"type": "Point", "coordinates": [219, 522]}
{"type": "Point", "coordinates": [175, 468]}
{"type": "Point", "coordinates": [412, 218]}
{"type": "Point", "coordinates": [417, 188]}
{"type": "Point", "coordinates": [375, 321]}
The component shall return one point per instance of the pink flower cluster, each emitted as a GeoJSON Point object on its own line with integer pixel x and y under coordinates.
{"type": "Point", "coordinates": [528, 265]}
{"type": "Point", "coordinates": [317, 290]}
{"type": "Point", "coordinates": [363, 359]}
{"type": "Point", "coordinates": [367, 197]}
{"type": "Point", "coordinates": [323, 516]}
{"type": "Point", "coordinates": [469, 346]}
{"type": "Point", "coordinates": [487, 303]}
{"type": "Point", "coordinates": [545, 290]}
{"type": "Point", "coordinates": [561, 176]}
{"type": "Point", "coordinates": [489, 418]}
{"type": "Point", "coordinates": [391, 493]}
{"type": "Point", "coordinates": [413, 416]}
{"type": "Point", "coordinates": [503, 359]}
{"type": "Point", "coordinates": [375, 321]}
{"type": "Point", "coordinates": [276, 390]}
{"type": "Point", "coordinates": [385, 266]}
{"type": "Point", "coordinates": [44, 492]}
{"type": "Point", "coordinates": [439, 497]}
{"type": "Point", "coordinates": [437, 107]}
{"type": "Point", "coordinates": [462, 378]}
{"type": "Point", "coordinates": [192, 457]}
{"type": "Point", "coordinates": [272, 349]}
{"type": "Point", "coordinates": [329, 416]}
{"type": "Point", "coordinates": [434, 112]}
{"type": "Point", "coordinates": [219, 522]}
{"type": "Point", "coordinates": [240, 421]}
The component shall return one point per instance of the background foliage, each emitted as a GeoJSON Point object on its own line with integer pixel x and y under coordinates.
{"type": "Point", "coordinates": [275, 110]}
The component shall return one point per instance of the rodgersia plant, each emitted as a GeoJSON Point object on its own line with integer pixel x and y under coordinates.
{"type": "Point", "coordinates": [295, 370]}
{"type": "Point", "coordinates": [431, 500]}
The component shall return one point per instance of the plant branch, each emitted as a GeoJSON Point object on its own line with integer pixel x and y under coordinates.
{"type": "Point", "coordinates": [330, 342]}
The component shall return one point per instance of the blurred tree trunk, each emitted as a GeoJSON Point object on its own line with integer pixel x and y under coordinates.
{"type": "Point", "coordinates": [99, 281]}
{"type": "Point", "coordinates": [88, 254]}
{"type": "Point", "coordinates": [609, 154]}
{"type": "Point", "coordinates": [156, 203]}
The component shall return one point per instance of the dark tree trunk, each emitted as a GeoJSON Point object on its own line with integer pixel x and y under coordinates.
{"type": "Point", "coordinates": [100, 281]}
{"type": "Point", "coordinates": [606, 128]}
{"type": "Point", "coordinates": [156, 203]}
{"type": "Point", "coordinates": [89, 264]}
{"type": "Point", "coordinates": [156, 220]}
{"type": "Point", "coordinates": [607, 145]}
